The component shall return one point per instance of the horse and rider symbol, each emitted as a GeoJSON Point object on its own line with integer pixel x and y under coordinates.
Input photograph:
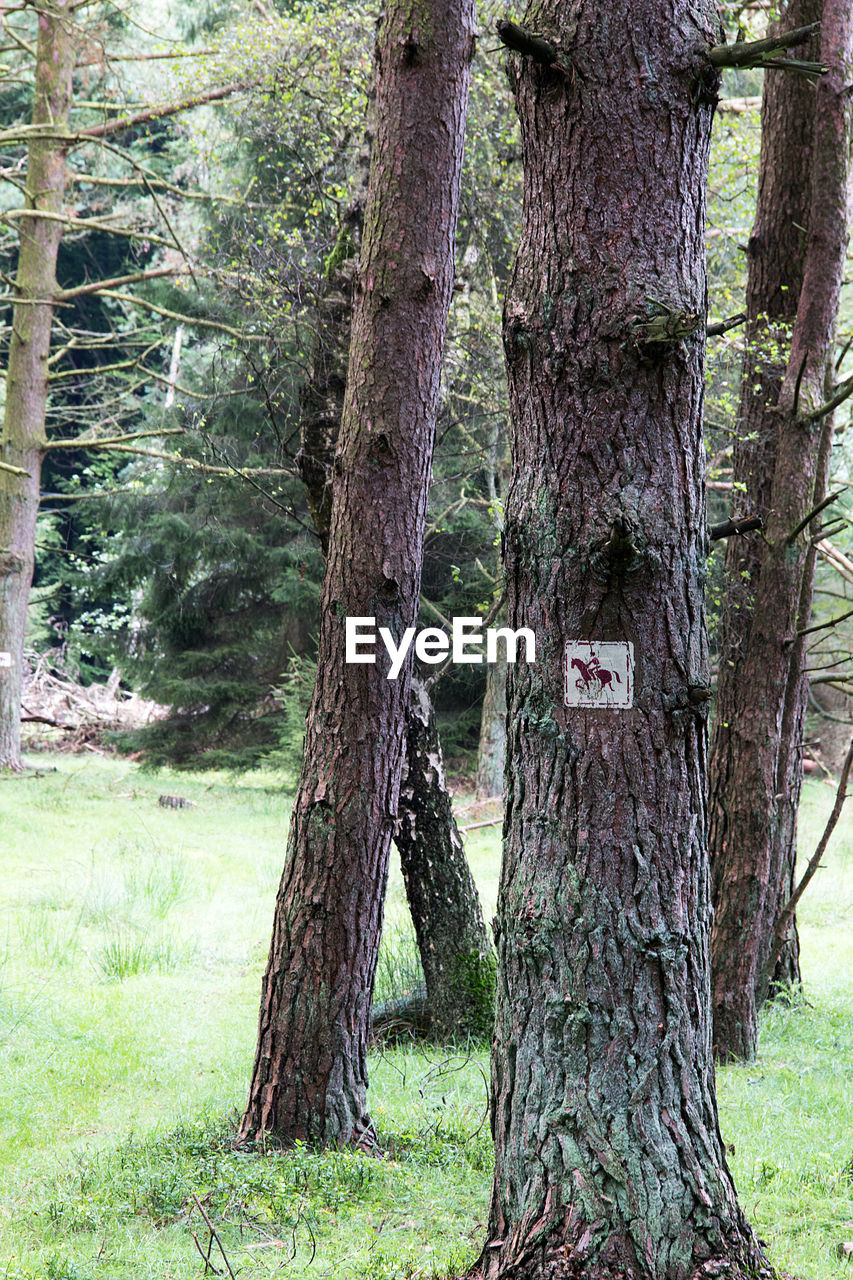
{"type": "Point", "coordinates": [599, 674]}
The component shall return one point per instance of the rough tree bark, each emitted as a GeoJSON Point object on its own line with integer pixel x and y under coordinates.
{"type": "Point", "coordinates": [609, 1160]}
{"type": "Point", "coordinates": [23, 439]}
{"type": "Point", "coordinates": [456, 954]}
{"type": "Point", "coordinates": [310, 1074]}
{"type": "Point", "coordinates": [762, 691]}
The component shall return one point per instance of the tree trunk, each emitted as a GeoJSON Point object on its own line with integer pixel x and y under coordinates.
{"type": "Point", "coordinates": [609, 1160]}
{"type": "Point", "coordinates": [775, 257]}
{"type": "Point", "coordinates": [23, 438]}
{"type": "Point", "coordinates": [761, 699]}
{"type": "Point", "coordinates": [456, 954]}
{"type": "Point", "coordinates": [310, 1074]}
{"type": "Point", "coordinates": [492, 750]}
{"type": "Point", "coordinates": [457, 958]}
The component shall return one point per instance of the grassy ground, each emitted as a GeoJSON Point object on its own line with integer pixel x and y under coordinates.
{"type": "Point", "coordinates": [131, 945]}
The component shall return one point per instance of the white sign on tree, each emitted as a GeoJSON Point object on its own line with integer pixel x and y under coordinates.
{"type": "Point", "coordinates": [599, 674]}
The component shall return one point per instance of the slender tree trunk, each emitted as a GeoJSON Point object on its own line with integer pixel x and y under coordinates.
{"type": "Point", "coordinates": [23, 438]}
{"type": "Point", "coordinates": [491, 754]}
{"type": "Point", "coordinates": [310, 1073]}
{"type": "Point", "coordinates": [456, 954]}
{"type": "Point", "coordinates": [609, 1160]}
{"type": "Point", "coordinates": [762, 693]}
{"type": "Point", "coordinates": [457, 958]}
{"type": "Point", "coordinates": [776, 257]}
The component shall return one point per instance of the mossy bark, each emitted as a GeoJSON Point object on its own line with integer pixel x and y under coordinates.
{"type": "Point", "coordinates": [796, 260]}
{"type": "Point", "coordinates": [456, 955]}
{"type": "Point", "coordinates": [23, 439]}
{"type": "Point", "coordinates": [310, 1075]}
{"type": "Point", "coordinates": [609, 1160]}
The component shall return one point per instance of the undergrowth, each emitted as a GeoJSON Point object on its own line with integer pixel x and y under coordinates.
{"type": "Point", "coordinates": [129, 983]}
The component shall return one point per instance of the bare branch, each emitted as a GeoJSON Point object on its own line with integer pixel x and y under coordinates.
{"type": "Point", "coordinates": [85, 224]}
{"type": "Point", "coordinates": [807, 519]}
{"type": "Point", "coordinates": [755, 53]}
{"type": "Point", "coordinates": [107, 442]}
{"type": "Point", "coordinates": [74, 137]}
{"type": "Point", "coordinates": [836, 558]}
{"type": "Point", "coordinates": [739, 524]}
{"type": "Point", "coordinates": [195, 465]}
{"type": "Point", "coordinates": [15, 471]}
{"type": "Point", "coordinates": [181, 318]}
{"type": "Point", "coordinates": [822, 626]}
{"type": "Point", "coordinates": [783, 923]}
{"type": "Point", "coordinates": [146, 57]}
{"type": "Point", "coordinates": [487, 622]}
{"type": "Point", "coordinates": [167, 109]}
{"type": "Point", "coordinates": [94, 286]}
{"type": "Point", "coordinates": [522, 41]}
{"type": "Point", "coordinates": [723, 326]}
{"type": "Point", "coordinates": [842, 392]}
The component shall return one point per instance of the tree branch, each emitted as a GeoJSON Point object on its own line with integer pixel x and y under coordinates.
{"type": "Point", "coordinates": [739, 524]}
{"type": "Point", "coordinates": [842, 392]}
{"type": "Point", "coordinates": [167, 109]}
{"type": "Point", "coordinates": [106, 442]}
{"type": "Point", "coordinates": [783, 923]}
{"type": "Point", "coordinates": [146, 57]}
{"type": "Point", "coordinates": [723, 326]}
{"type": "Point", "coordinates": [74, 137]}
{"type": "Point", "coordinates": [487, 622]}
{"type": "Point", "coordinates": [85, 224]}
{"type": "Point", "coordinates": [836, 558]}
{"type": "Point", "coordinates": [522, 41]}
{"type": "Point", "coordinates": [64, 295]}
{"type": "Point", "coordinates": [15, 471]}
{"type": "Point", "coordinates": [815, 511]}
{"type": "Point", "coordinates": [183, 319]}
{"type": "Point", "coordinates": [823, 626]}
{"type": "Point", "coordinates": [195, 465]}
{"type": "Point", "coordinates": [755, 53]}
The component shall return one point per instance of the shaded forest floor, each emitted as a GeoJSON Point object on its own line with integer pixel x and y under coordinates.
{"type": "Point", "coordinates": [131, 948]}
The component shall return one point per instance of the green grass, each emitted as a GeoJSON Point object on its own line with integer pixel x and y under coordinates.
{"type": "Point", "coordinates": [131, 946]}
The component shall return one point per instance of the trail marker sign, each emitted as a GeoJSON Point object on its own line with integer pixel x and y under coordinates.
{"type": "Point", "coordinates": [599, 674]}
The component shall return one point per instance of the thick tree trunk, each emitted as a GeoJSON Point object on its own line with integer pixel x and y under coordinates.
{"type": "Point", "coordinates": [456, 955]}
{"type": "Point", "coordinates": [761, 699]}
{"type": "Point", "coordinates": [23, 439]}
{"type": "Point", "coordinates": [310, 1074]}
{"type": "Point", "coordinates": [608, 1154]}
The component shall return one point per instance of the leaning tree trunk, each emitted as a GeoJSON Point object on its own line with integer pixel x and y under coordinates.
{"type": "Point", "coordinates": [457, 959]}
{"type": "Point", "coordinates": [763, 682]}
{"type": "Point", "coordinates": [456, 955]}
{"type": "Point", "coordinates": [609, 1160]}
{"type": "Point", "coordinates": [23, 439]}
{"type": "Point", "coordinates": [310, 1074]}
